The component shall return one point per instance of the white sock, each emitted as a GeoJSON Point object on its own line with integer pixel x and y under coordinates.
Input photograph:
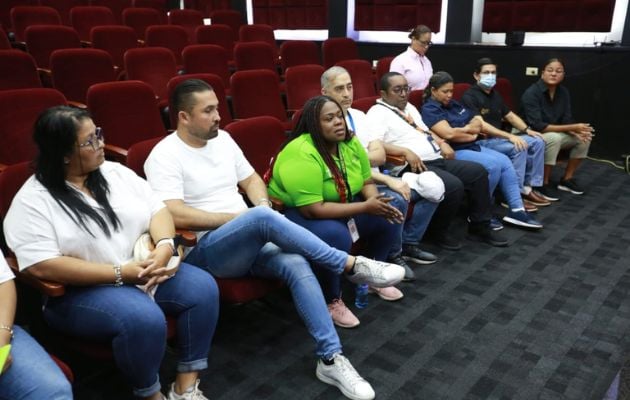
{"type": "Point", "coordinates": [518, 209]}
{"type": "Point", "coordinates": [526, 190]}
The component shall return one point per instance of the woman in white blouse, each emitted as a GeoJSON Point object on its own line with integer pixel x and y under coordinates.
{"type": "Point", "coordinates": [75, 221]}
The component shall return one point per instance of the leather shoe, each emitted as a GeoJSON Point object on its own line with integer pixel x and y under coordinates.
{"type": "Point", "coordinates": [409, 274]}
{"type": "Point", "coordinates": [536, 199]}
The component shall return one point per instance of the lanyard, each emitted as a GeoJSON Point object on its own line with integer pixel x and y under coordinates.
{"type": "Point", "coordinates": [351, 122]}
{"type": "Point", "coordinates": [348, 194]}
{"type": "Point", "coordinates": [414, 125]}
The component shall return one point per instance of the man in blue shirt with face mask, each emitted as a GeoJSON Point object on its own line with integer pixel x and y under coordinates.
{"type": "Point", "coordinates": [526, 149]}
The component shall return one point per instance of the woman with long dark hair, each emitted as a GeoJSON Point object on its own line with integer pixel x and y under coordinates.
{"type": "Point", "coordinates": [76, 222]}
{"type": "Point", "coordinates": [323, 176]}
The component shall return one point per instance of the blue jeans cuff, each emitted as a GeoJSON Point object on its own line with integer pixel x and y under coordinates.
{"type": "Point", "coordinates": [190, 366]}
{"type": "Point", "coordinates": [148, 391]}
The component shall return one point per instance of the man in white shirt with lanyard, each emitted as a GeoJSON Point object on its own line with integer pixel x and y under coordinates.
{"type": "Point", "coordinates": [337, 83]}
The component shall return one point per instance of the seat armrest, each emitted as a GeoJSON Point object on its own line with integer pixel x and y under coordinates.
{"type": "Point", "coordinates": [49, 288]}
{"type": "Point", "coordinates": [117, 153]}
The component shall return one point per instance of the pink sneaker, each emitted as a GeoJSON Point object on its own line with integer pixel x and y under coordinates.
{"type": "Point", "coordinates": [341, 315]}
{"type": "Point", "coordinates": [389, 293]}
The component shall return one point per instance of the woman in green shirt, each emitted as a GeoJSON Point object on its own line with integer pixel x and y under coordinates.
{"type": "Point", "coordinates": [322, 175]}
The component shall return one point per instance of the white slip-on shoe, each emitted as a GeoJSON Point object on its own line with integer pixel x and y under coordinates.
{"type": "Point", "coordinates": [375, 273]}
{"type": "Point", "coordinates": [343, 375]}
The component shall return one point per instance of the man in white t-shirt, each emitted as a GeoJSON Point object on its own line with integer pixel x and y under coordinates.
{"type": "Point", "coordinates": [403, 133]}
{"type": "Point", "coordinates": [197, 171]}
{"type": "Point", "coordinates": [337, 83]}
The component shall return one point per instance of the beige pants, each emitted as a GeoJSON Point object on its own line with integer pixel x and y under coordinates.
{"type": "Point", "coordinates": [555, 141]}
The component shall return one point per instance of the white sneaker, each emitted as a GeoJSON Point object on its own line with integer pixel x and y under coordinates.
{"type": "Point", "coordinates": [192, 393]}
{"type": "Point", "coordinates": [343, 375]}
{"type": "Point", "coordinates": [375, 273]}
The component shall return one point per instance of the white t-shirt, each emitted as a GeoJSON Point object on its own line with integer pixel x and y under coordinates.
{"type": "Point", "coordinates": [5, 272]}
{"type": "Point", "coordinates": [358, 122]}
{"type": "Point", "coordinates": [38, 229]}
{"type": "Point", "coordinates": [205, 178]}
{"type": "Point", "coordinates": [393, 129]}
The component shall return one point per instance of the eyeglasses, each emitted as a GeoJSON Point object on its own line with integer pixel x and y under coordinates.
{"type": "Point", "coordinates": [94, 139]}
{"type": "Point", "coordinates": [401, 89]}
{"type": "Point", "coordinates": [425, 43]}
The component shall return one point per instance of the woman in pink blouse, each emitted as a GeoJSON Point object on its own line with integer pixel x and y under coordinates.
{"type": "Point", "coordinates": [413, 63]}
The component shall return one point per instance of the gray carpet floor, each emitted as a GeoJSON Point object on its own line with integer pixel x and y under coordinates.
{"type": "Point", "coordinates": [546, 318]}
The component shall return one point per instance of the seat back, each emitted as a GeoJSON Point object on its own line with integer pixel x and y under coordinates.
{"type": "Point", "coordinates": [5, 10]}
{"type": "Point", "coordinates": [217, 84]}
{"type": "Point", "coordinates": [139, 19]}
{"type": "Point", "coordinates": [152, 65]}
{"type": "Point", "coordinates": [18, 70]}
{"type": "Point", "coordinates": [231, 18]}
{"type": "Point", "coordinates": [254, 55]}
{"type": "Point", "coordinates": [159, 5]}
{"type": "Point", "coordinates": [138, 153]}
{"type": "Point", "coordinates": [362, 77]}
{"type": "Point", "coordinates": [172, 37]}
{"type": "Point", "coordinates": [219, 34]}
{"type": "Point", "coordinates": [25, 16]}
{"type": "Point", "coordinates": [11, 180]}
{"type": "Point", "coordinates": [116, 6]}
{"type": "Point", "coordinates": [259, 33]}
{"type": "Point", "coordinates": [459, 89]}
{"type": "Point", "coordinates": [19, 108]}
{"type": "Point", "coordinates": [416, 98]}
{"type": "Point", "coordinates": [365, 103]}
{"type": "Point", "coordinates": [298, 52]}
{"type": "Point", "coordinates": [259, 138]}
{"type": "Point", "coordinates": [84, 18]}
{"type": "Point", "coordinates": [115, 40]}
{"type": "Point", "coordinates": [264, 100]}
{"type": "Point", "coordinates": [187, 19]}
{"type": "Point", "coordinates": [42, 40]}
{"type": "Point", "coordinates": [303, 82]}
{"type": "Point", "coordinates": [63, 7]}
{"type": "Point", "coordinates": [75, 70]}
{"type": "Point", "coordinates": [504, 87]}
{"type": "Point", "coordinates": [382, 67]}
{"type": "Point", "coordinates": [126, 110]}
{"type": "Point", "coordinates": [339, 49]}
{"type": "Point", "coordinates": [207, 58]}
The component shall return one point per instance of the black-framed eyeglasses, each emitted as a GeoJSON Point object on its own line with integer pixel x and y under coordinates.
{"type": "Point", "coordinates": [401, 89]}
{"type": "Point", "coordinates": [94, 139]}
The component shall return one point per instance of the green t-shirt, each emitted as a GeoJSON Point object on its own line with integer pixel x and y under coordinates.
{"type": "Point", "coordinates": [300, 176]}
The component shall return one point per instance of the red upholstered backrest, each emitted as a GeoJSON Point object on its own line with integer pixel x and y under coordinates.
{"type": "Point", "coordinates": [25, 16]}
{"type": "Point", "coordinates": [159, 5]}
{"type": "Point", "coordinates": [254, 55]}
{"type": "Point", "coordinates": [264, 100]}
{"type": "Point", "coordinates": [11, 180]}
{"type": "Point", "coordinates": [126, 110]}
{"type": "Point", "coordinates": [4, 40]}
{"type": "Point", "coordinates": [504, 87]}
{"type": "Point", "coordinates": [382, 67]}
{"type": "Point", "coordinates": [115, 40]}
{"type": "Point", "coordinates": [139, 19]}
{"type": "Point", "coordinates": [259, 33]}
{"type": "Point", "coordinates": [219, 34]}
{"type": "Point", "coordinates": [365, 103]}
{"type": "Point", "coordinates": [117, 6]}
{"type": "Point", "coordinates": [138, 153]}
{"type": "Point", "coordinates": [18, 70]}
{"type": "Point", "coordinates": [260, 139]}
{"type": "Point", "coordinates": [362, 77]}
{"type": "Point", "coordinates": [152, 65]}
{"type": "Point", "coordinates": [298, 52]}
{"type": "Point", "coordinates": [217, 84]}
{"type": "Point", "coordinates": [207, 58]}
{"type": "Point", "coordinates": [416, 97]}
{"type": "Point", "coordinates": [339, 49]}
{"type": "Point", "coordinates": [42, 40]}
{"type": "Point", "coordinates": [231, 18]}
{"type": "Point", "coordinates": [459, 89]}
{"type": "Point", "coordinates": [5, 10]}
{"type": "Point", "coordinates": [19, 109]}
{"type": "Point", "coordinates": [303, 82]}
{"type": "Point", "coordinates": [187, 19]}
{"type": "Point", "coordinates": [75, 70]}
{"type": "Point", "coordinates": [63, 7]}
{"type": "Point", "coordinates": [172, 37]}
{"type": "Point", "coordinates": [84, 18]}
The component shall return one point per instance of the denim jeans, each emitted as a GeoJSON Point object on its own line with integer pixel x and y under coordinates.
{"type": "Point", "coordinates": [528, 164]}
{"type": "Point", "coordinates": [500, 172]}
{"type": "Point", "coordinates": [377, 233]}
{"type": "Point", "coordinates": [33, 375]}
{"type": "Point", "coordinates": [417, 223]}
{"type": "Point", "coordinates": [262, 242]}
{"type": "Point", "coordinates": [136, 325]}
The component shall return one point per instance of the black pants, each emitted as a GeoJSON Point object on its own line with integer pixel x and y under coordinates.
{"type": "Point", "coordinates": [459, 177]}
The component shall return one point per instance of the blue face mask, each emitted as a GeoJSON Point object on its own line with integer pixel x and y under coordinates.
{"type": "Point", "coordinates": [488, 81]}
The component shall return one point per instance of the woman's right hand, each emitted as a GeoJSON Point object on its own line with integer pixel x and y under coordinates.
{"type": "Point", "coordinates": [131, 272]}
{"type": "Point", "coordinates": [379, 205]}
{"type": "Point", "coordinates": [415, 163]}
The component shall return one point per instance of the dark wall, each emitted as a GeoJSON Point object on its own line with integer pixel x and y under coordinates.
{"type": "Point", "coordinates": [598, 79]}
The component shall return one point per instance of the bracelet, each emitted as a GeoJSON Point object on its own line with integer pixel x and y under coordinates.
{"type": "Point", "coordinates": [7, 328]}
{"type": "Point", "coordinates": [269, 203]}
{"type": "Point", "coordinates": [118, 275]}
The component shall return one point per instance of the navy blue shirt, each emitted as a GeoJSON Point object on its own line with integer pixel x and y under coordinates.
{"type": "Point", "coordinates": [490, 106]}
{"type": "Point", "coordinates": [455, 114]}
{"type": "Point", "coordinates": [539, 110]}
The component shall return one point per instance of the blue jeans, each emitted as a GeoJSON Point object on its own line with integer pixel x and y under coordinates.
{"type": "Point", "coordinates": [263, 243]}
{"type": "Point", "coordinates": [500, 172]}
{"type": "Point", "coordinates": [136, 325]}
{"type": "Point", "coordinates": [33, 375]}
{"type": "Point", "coordinates": [378, 234]}
{"type": "Point", "coordinates": [528, 164]}
{"type": "Point", "coordinates": [417, 223]}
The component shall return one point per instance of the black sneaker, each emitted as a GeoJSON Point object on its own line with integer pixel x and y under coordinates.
{"type": "Point", "coordinates": [487, 235]}
{"type": "Point", "coordinates": [570, 185]}
{"type": "Point", "coordinates": [445, 241]}
{"type": "Point", "coordinates": [399, 260]}
{"type": "Point", "coordinates": [549, 192]}
{"type": "Point", "coordinates": [412, 252]}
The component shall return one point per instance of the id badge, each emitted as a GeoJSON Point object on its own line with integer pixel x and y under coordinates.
{"type": "Point", "coordinates": [354, 232]}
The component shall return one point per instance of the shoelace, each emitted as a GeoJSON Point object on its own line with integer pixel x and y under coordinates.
{"type": "Point", "coordinates": [377, 272]}
{"type": "Point", "coordinates": [347, 370]}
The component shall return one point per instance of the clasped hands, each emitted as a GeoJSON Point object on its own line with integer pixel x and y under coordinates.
{"type": "Point", "coordinates": [151, 271]}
